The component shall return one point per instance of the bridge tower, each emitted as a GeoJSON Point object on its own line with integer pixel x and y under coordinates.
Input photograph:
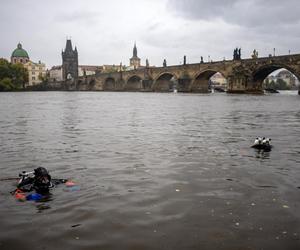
{"type": "Point", "coordinates": [135, 61]}
{"type": "Point", "coordinates": [69, 62]}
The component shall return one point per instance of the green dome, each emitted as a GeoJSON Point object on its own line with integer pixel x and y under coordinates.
{"type": "Point", "coordinates": [19, 52]}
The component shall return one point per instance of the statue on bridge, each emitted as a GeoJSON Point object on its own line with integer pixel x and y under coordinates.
{"type": "Point", "coordinates": [237, 54]}
{"type": "Point", "coordinates": [165, 63]}
{"type": "Point", "coordinates": [184, 60]}
{"type": "Point", "coordinates": [147, 63]}
{"type": "Point", "coordinates": [201, 61]}
{"type": "Point", "coordinates": [254, 54]}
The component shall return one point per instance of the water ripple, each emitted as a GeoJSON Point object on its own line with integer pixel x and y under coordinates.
{"type": "Point", "coordinates": [155, 171]}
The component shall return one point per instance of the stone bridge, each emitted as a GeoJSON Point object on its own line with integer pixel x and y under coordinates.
{"type": "Point", "coordinates": [243, 76]}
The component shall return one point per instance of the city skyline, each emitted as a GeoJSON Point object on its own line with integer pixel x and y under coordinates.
{"type": "Point", "coordinates": [105, 32]}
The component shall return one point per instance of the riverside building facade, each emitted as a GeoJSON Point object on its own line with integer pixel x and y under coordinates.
{"type": "Point", "coordinates": [36, 71]}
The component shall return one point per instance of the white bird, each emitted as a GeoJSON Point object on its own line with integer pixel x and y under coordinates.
{"type": "Point", "coordinates": [259, 140]}
{"type": "Point", "coordinates": [268, 141]}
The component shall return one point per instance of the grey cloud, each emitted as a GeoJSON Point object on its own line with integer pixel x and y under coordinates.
{"type": "Point", "coordinates": [154, 26]}
{"type": "Point", "coordinates": [200, 9]}
{"type": "Point", "coordinates": [250, 13]}
{"type": "Point", "coordinates": [78, 16]}
{"type": "Point", "coordinates": [104, 31]}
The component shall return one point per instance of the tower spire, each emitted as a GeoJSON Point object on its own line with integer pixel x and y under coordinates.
{"type": "Point", "coordinates": [134, 60]}
{"type": "Point", "coordinates": [68, 46]}
{"type": "Point", "coordinates": [134, 50]}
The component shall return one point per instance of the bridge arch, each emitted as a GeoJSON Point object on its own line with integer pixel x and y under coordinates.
{"type": "Point", "coordinates": [134, 83]}
{"type": "Point", "coordinates": [261, 73]}
{"type": "Point", "coordinates": [201, 81]}
{"type": "Point", "coordinates": [109, 84]}
{"type": "Point", "coordinates": [165, 82]}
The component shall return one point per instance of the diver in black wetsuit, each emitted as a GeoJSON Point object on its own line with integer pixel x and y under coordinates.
{"type": "Point", "coordinates": [38, 180]}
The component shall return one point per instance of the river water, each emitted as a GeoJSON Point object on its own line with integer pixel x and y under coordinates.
{"type": "Point", "coordinates": [154, 171]}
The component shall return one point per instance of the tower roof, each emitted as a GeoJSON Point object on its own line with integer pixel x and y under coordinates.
{"type": "Point", "coordinates": [134, 56]}
{"type": "Point", "coordinates": [19, 52]}
{"type": "Point", "coordinates": [68, 46]}
{"type": "Point", "coordinates": [134, 50]}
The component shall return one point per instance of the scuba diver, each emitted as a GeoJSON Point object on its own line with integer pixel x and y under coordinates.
{"type": "Point", "coordinates": [39, 181]}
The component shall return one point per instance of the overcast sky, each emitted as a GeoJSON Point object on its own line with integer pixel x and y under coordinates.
{"type": "Point", "coordinates": [105, 31]}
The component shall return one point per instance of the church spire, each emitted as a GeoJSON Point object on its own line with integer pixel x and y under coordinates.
{"type": "Point", "coordinates": [134, 50]}
{"type": "Point", "coordinates": [135, 62]}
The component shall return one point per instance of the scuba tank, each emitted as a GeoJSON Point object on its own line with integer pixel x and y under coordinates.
{"type": "Point", "coordinates": [26, 181]}
{"type": "Point", "coordinates": [25, 175]}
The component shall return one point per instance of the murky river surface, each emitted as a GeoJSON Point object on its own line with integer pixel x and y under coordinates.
{"type": "Point", "coordinates": [155, 171]}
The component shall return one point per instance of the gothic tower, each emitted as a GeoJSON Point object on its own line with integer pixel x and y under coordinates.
{"type": "Point", "coordinates": [134, 60]}
{"type": "Point", "coordinates": [69, 62]}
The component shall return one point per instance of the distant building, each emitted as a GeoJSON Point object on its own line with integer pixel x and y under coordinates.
{"type": "Point", "coordinates": [19, 55]}
{"type": "Point", "coordinates": [55, 74]}
{"type": "Point", "coordinates": [36, 72]}
{"type": "Point", "coordinates": [288, 77]}
{"type": "Point", "coordinates": [218, 80]}
{"type": "Point", "coordinates": [285, 75]}
{"type": "Point", "coordinates": [106, 68]}
{"type": "Point", "coordinates": [89, 70]}
{"type": "Point", "coordinates": [135, 61]}
{"type": "Point", "coordinates": [69, 62]}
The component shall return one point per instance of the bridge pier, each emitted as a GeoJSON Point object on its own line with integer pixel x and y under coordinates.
{"type": "Point", "coordinates": [236, 84]}
{"type": "Point", "coordinates": [147, 83]}
{"type": "Point", "coordinates": [119, 84]}
{"type": "Point", "coordinates": [241, 81]}
{"type": "Point", "coordinates": [183, 84]}
{"type": "Point", "coordinates": [242, 84]}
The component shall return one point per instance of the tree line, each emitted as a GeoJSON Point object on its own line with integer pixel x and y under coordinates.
{"type": "Point", "coordinates": [279, 84]}
{"type": "Point", "coordinates": [12, 76]}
